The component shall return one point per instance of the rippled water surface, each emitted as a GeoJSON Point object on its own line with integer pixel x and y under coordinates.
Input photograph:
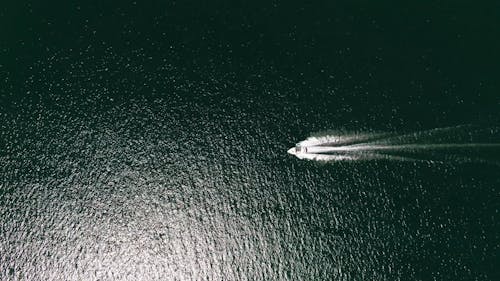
{"type": "Point", "coordinates": [149, 143]}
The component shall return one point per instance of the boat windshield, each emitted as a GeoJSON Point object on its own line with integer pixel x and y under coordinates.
{"type": "Point", "coordinates": [300, 149]}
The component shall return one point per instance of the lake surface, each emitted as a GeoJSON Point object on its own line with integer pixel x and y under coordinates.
{"type": "Point", "coordinates": [148, 141]}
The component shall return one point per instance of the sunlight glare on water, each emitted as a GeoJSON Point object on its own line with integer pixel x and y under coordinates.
{"type": "Point", "coordinates": [148, 142]}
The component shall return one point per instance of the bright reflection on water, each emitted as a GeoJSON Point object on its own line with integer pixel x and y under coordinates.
{"type": "Point", "coordinates": [122, 198]}
{"type": "Point", "coordinates": [197, 186]}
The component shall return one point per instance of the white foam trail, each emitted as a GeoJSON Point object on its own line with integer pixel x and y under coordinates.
{"type": "Point", "coordinates": [326, 157]}
{"type": "Point", "coordinates": [353, 157]}
{"type": "Point", "coordinates": [429, 145]}
{"type": "Point", "coordinates": [341, 139]}
{"type": "Point", "coordinates": [404, 147]}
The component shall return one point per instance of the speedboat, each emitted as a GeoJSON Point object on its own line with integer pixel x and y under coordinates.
{"type": "Point", "coordinates": [297, 150]}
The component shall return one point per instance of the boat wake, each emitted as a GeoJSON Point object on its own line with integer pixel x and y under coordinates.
{"type": "Point", "coordinates": [464, 143]}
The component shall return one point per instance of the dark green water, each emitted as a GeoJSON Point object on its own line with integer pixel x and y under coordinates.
{"type": "Point", "coordinates": [148, 141]}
